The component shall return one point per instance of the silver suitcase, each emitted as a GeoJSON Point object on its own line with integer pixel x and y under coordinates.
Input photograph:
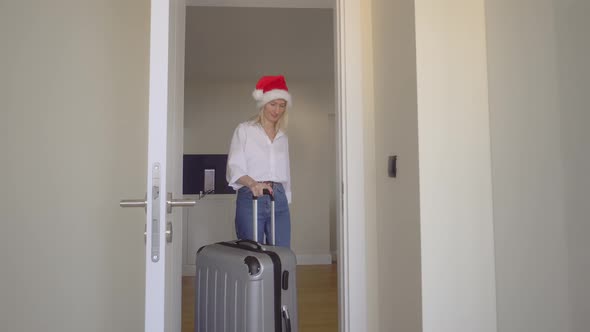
{"type": "Point", "coordinates": [244, 286]}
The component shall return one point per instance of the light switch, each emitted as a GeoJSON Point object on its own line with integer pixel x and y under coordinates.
{"type": "Point", "coordinates": [392, 166]}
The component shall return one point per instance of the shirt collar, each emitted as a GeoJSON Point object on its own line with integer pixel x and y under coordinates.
{"type": "Point", "coordinates": [279, 133]}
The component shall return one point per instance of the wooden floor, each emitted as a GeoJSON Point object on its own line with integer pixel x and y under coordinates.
{"type": "Point", "coordinates": [317, 291]}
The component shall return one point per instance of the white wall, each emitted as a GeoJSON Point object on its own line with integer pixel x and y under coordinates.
{"type": "Point", "coordinates": [530, 172]}
{"type": "Point", "coordinates": [458, 285]}
{"type": "Point", "coordinates": [212, 111]}
{"type": "Point", "coordinates": [73, 133]}
{"type": "Point", "coordinates": [215, 104]}
{"type": "Point", "coordinates": [573, 52]}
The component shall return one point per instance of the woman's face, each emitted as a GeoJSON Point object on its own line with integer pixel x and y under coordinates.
{"type": "Point", "coordinates": [274, 109]}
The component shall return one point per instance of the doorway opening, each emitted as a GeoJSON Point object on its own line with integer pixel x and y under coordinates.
{"type": "Point", "coordinates": [226, 50]}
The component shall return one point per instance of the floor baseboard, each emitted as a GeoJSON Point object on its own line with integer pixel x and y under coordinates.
{"type": "Point", "coordinates": [315, 259]}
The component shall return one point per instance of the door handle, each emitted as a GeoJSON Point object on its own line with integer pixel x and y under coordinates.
{"type": "Point", "coordinates": [170, 203]}
{"type": "Point", "coordinates": [155, 212]}
{"type": "Point", "coordinates": [126, 203]}
{"type": "Point", "coordinates": [129, 203]}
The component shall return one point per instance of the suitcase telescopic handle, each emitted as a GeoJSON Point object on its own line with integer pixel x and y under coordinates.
{"type": "Point", "coordinates": [272, 215]}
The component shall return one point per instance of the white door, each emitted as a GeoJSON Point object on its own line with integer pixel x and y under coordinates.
{"type": "Point", "coordinates": [163, 251]}
{"type": "Point", "coordinates": [163, 292]}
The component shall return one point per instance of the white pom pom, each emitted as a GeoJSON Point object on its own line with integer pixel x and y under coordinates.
{"type": "Point", "coordinates": [257, 94]}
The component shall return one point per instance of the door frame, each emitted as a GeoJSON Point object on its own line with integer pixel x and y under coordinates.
{"type": "Point", "coordinates": [352, 244]}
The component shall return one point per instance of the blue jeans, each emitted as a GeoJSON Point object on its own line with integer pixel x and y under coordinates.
{"type": "Point", "coordinates": [245, 226]}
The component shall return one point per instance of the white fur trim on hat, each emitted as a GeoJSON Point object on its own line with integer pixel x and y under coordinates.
{"type": "Point", "coordinates": [263, 98]}
{"type": "Point", "coordinates": [257, 94]}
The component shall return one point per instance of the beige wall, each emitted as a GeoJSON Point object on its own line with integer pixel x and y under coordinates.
{"type": "Point", "coordinates": [538, 73]}
{"type": "Point", "coordinates": [536, 54]}
{"type": "Point", "coordinates": [531, 245]}
{"type": "Point", "coordinates": [396, 133]}
{"type": "Point", "coordinates": [434, 263]}
{"type": "Point", "coordinates": [573, 45]}
{"type": "Point", "coordinates": [73, 127]}
{"type": "Point", "coordinates": [456, 220]}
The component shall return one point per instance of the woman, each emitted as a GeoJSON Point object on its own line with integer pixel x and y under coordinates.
{"type": "Point", "coordinates": [259, 159]}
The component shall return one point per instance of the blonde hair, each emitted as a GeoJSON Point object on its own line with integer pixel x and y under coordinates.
{"type": "Point", "coordinates": [280, 125]}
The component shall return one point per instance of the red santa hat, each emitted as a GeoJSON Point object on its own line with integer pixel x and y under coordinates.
{"type": "Point", "coordinates": [270, 88]}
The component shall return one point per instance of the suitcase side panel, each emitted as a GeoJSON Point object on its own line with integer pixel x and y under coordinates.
{"type": "Point", "coordinates": [288, 296]}
{"type": "Point", "coordinates": [229, 298]}
{"type": "Point", "coordinates": [274, 278]}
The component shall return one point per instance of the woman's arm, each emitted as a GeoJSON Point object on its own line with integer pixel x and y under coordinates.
{"type": "Point", "coordinates": [287, 184]}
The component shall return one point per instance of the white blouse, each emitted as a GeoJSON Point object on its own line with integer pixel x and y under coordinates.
{"type": "Point", "coordinates": [252, 153]}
